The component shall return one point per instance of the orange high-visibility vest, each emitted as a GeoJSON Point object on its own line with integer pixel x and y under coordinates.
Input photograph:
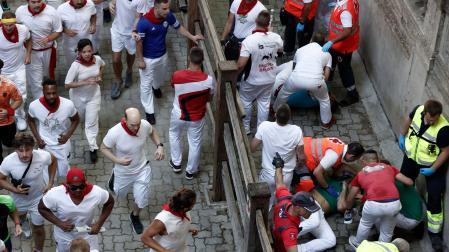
{"type": "Point", "coordinates": [351, 43]}
{"type": "Point", "coordinates": [295, 8]}
{"type": "Point", "coordinates": [315, 149]}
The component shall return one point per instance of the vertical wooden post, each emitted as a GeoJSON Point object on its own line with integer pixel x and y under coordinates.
{"type": "Point", "coordinates": [193, 16]}
{"type": "Point", "coordinates": [259, 198]}
{"type": "Point", "coordinates": [227, 71]}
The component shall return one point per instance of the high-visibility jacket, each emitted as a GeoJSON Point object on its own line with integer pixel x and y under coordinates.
{"type": "Point", "coordinates": [315, 149]}
{"type": "Point", "coordinates": [423, 149]}
{"type": "Point", "coordinates": [295, 7]}
{"type": "Point", "coordinates": [368, 246]}
{"type": "Point", "coordinates": [350, 43]}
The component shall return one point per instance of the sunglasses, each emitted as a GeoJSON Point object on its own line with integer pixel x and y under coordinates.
{"type": "Point", "coordinates": [74, 188]}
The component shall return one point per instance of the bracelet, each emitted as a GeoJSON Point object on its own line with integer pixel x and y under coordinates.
{"type": "Point", "coordinates": [17, 223]}
{"type": "Point", "coordinates": [159, 144]}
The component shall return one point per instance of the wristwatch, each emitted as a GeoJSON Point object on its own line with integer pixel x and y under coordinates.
{"type": "Point", "coordinates": [159, 144]}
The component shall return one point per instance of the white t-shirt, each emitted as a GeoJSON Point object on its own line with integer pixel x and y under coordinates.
{"type": "Point", "coordinates": [79, 72]}
{"type": "Point", "coordinates": [127, 146]}
{"type": "Point", "coordinates": [310, 62]}
{"type": "Point", "coordinates": [281, 139]}
{"type": "Point", "coordinates": [346, 17]}
{"type": "Point", "coordinates": [13, 166]}
{"type": "Point", "coordinates": [177, 232]}
{"type": "Point", "coordinates": [330, 158]}
{"type": "Point", "coordinates": [13, 54]}
{"type": "Point", "coordinates": [263, 48]}
{"type": "Point", "coordinates": [41, 25]}
{"type": "Point", "coordinates": [125, 15]}
{"type": "Point", "coordinates": [77, 19]}
{"type": "Point", "coordinates": [60, 203]}
{"type": "Point", "coordinates": [244, 25]}
{"type": "Point", "coordinates": [54, 124]}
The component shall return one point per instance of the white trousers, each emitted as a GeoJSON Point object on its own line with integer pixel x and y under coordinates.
{"type": "Point", "coordinates": [194, 136]}
{"type": "Point", "coordinates": [88, 109]}
{"type": "Point", "coordinates": [317, 225]}
{"type": "Point", "coordinates": [316, 87]}
{"type": "Point", "coordinates": [152, 76]}
{"type": "Point", "coordinates": [265, 176]}
{"type": "Point", "coordinates": [19, 78]}
{"type": "Point", "coordinates": [377, 212]}
{"type": "Point", "coordinates": [61, 153]}
{"type": "Point", "coordinates": [36, 70]}
{"type": "Point", "coordinates": [260, 93]}
{"type": "Point", "coordinates": [99, 26]}
{"type": "Point", "coordinates": [139, 183]}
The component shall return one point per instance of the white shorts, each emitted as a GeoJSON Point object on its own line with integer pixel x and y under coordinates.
{"type": "Point", "coordinates": [120, 42]}
{"type": "Point", "coordinates": [62, 154]}
{"type": "Point", "coordinates": [35, 216]}
{"type": "Point", "coordinates": [140, 184]}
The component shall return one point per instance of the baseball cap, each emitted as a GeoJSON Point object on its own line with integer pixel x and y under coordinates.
{"type": "Point", "coordinates": [305, 200]}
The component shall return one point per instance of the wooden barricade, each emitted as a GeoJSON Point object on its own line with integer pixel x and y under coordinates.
{"type": "Point", "coordinates": [234, 177]}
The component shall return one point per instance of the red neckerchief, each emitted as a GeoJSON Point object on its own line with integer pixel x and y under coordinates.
{"type": "Point", "coordinates": [74, 6]}
{"type": "Point", "coordinates": [39, 11]}
{"type": "Point", "coordinates": [181, 215]}
{"type": "Point", "coordinates": [12, 37]}
{"type": "Point", "coordinates": [150, 16]}
{"type": "Point", "coordinates": [264, 30]}
{"type": "Point", "coordinates": [83, 62]}
{"type": "Point", "coordinates": [51, 109]}
{"type": "Point", "coordinates": [125, 127]}
{"type": "Point", "coordinates": [246, 7]}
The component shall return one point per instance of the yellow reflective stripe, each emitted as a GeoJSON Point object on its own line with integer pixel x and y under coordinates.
{"type": "Point", "coordinates": [435, 222]}
{"type": "Point", "coordinates": [423, 162]}
{"type": "Point", "coordinates": [429, 137]}
{"type": "Point", "coordinates": [415, 126]}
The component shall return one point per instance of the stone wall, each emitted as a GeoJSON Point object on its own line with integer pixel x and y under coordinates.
{"type": "Point", "coordinates": [405, 48]}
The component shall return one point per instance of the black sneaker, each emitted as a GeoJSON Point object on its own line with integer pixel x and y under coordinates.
{"type": "Point", "coordinates": [5, 6]}
{"type": "Point", "coordinates": [189, 176]}
{"type": "Point", "coordinates": [349, 100]}
{"type": "Point", "coordinates": [136, 224]}
{"type": "Point", "coordinates": [93, 156]}
{"type": "Point", "coordinates": [437, 242]}
{"type": "Point", "coordinates": [116, 89]}
{"type": "Point", "coordinates": [157, 93]}
{"type": "Point", "coordinates": [128, 79]}
{"type": "Point", "coordinates": [107, 15]}
{"type": "Point", "coordinates": [111, 182]}
{"type": "Point", "coordinates": [175, 168]}
{"type": "Point", "coordinates": [150, 118]}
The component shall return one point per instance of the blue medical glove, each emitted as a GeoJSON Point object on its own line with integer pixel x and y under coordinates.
{"type": "Point", "coordinates": [327, 46]}
{"type": "Point", "coordinates": [402, 142]}
{"type": "Point", "coordinates": [299, 27]}
{"type": "Point", "coordinates": [332, 191]}
{"type": "Point", "coordinates": [426, 171]}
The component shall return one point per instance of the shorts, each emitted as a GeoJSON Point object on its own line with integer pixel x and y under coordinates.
{"type": "Point", "coordinates": [120, 42]}
{"type": "Point", "coordinates": [140, 184]}
{"type": "Point", "coordinates": [337, 185]}
{"type": "Point", "coordinates": [35, 217]}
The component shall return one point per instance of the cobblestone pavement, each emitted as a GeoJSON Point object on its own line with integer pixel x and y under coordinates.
{"type": "Point", "coordinates": [210, 218]}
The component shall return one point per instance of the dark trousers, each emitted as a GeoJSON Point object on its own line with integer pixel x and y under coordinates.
{"type": "Point", "coordinates": [435, 183]}
{"type": "Point", "coordinates": [343, 62]}
{"type": "Point", "coordinates": [291, 36]}
{"type": "Point", "coordinates": [7, 133]}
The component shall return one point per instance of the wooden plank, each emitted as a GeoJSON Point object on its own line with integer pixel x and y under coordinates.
{"type": "Point", "coordinates": [239, 189]}
{"type": "Point", "coordinates": [259, 196]}
{"type": "Point", "coordinates": [263, 232]}
{"type": "Point", "coordinates": [232, 209]}
{"type": "Point", "coordinates": [193, 16]}
{"type": "Point", "coordinates": [238, 137]}
{"type": "Point", "coordinates": [210, 30]}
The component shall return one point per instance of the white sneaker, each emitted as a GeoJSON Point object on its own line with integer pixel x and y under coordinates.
{"type": "Point", "coordinates": [21, 123]}
{"type": "Point", "coordinates": [26, 228]}
{"type": "Point", "coordinates": [353, 242]}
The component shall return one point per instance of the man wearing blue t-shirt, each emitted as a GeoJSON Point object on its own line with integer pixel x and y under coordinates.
{"type": "Point", "coordinates": [152, 52]}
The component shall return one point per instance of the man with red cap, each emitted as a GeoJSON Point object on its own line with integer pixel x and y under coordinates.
{"type": "Point", "coordinates": [124, 144]}
{"type": "Point", "coordinates": [45, 26]}
{"type": "Point", "coordinates": [71, 208]}
{"type": "Point", "coordinates": [79, 21]}
{"type": "Point", "coordinates": [15, 51]}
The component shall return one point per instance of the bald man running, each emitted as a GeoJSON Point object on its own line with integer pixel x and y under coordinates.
{"type": "Point", "coordinates": [124, 144]}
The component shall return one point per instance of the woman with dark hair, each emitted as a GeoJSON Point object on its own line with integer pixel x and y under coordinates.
{"type": "Point", "coordinates": [83, 81]}
{"type": "Point", "coordinates": [71, 208]}
{"type": "Point", "coordinates": [170, 227]}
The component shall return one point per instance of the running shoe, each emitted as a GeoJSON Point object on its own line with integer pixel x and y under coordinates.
{"type": "Point", "coordinates": [151, 118]}
{"type": "Point", "coordinates": [347, 219]}
{"type": "Point", "coordinates": [353, 242]}
{"type": "Point", "coordinates": [26, 227]}
{"type": "Point", "coordinates": [116, 89]}
{"type": "Point", "coordinates": [128, 79]}
{"type": "Point", "coordinates": [21, 123]}
{"type": "Point", "coordinates": [189, 175]}
{"type": "Point", "coordinates": [157, 93]}
{"type": "Point", "coordinates": [175, 168]}
{"type": "Point", "coordinates": [136, 224]}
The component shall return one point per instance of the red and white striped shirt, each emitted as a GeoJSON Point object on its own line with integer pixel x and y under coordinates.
{"type": "Point", "coordinates": [192, 92]}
